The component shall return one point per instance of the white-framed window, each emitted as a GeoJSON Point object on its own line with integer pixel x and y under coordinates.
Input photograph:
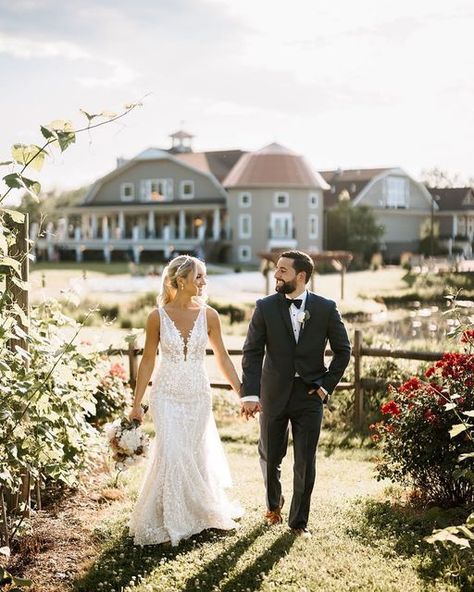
{"type": "Point", "coordinates": [245, 199]}
{"type": "Point", "coordinates": [244, 253]}
{"type": "Point", "coordinates": [396, 192]}
{"type": "Point", "coordinates": [313, 226]}
{"type": "Point", "coordinates": [281, 225]}
{"type": "Point", "coordinates": [127, 191]}
{"type": "Point", "coordinates": [156, 189]}
{"type": "Point", "coordinates": [245, 226]}
{"type": "Point", "coordinates": [281, 199]}
{"type": "Point", "coordinates": [186, 189]}
{"type": "Point", "coordinates": [313, 200]}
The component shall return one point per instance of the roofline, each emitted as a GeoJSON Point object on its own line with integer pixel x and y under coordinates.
{"type": "Point", "coordinates": [387, 172]}
{"type": "Point", "coordinates": [130, 163]}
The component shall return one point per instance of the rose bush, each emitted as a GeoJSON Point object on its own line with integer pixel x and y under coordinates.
{"type": "Point", "coordinates": [426, 430]}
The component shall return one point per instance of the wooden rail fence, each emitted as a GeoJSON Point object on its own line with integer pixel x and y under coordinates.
{"type": "Point", "coordinates": [358, 385]}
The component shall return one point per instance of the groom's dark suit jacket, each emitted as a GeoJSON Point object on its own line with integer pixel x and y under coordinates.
{"type": "Point", "coordinates": [271, 356]}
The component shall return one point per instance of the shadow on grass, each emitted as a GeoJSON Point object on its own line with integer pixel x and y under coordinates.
{"type": "Point", "coordinates": [353, 439]}
{"type": "Point", "coordinates": [211, 575]}
{"type": "Point", "coordinates": [122, 561]}
{"type": "Point", "coordinates": [404, 527]}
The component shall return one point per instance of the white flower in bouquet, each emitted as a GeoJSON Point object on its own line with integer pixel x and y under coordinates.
{"type": "Point", "coordinates": [127, 441]}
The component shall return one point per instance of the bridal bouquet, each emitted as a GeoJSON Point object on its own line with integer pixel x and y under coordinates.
{"type": "Point", "coordinates": [127, 441]}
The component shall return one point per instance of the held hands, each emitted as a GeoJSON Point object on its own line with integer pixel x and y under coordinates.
{"type": "Point", "coordinates": [248, 409]}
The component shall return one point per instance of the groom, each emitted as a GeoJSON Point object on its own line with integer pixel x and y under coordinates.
{"type": "Point", "coordinates": [284, 377]}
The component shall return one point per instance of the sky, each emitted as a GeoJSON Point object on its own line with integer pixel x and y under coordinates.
{"type": "Point", "coordinates": [348, 84]}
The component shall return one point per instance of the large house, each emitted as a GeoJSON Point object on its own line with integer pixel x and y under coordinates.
{"type": "Point", "coordinates": [402, 205]}
{"type": "Point", "coordinates": [454, 218]}
{"type": "Point", "coordinates": [231, 205]}
{"type": "Point", "coordinates": [223, 205]}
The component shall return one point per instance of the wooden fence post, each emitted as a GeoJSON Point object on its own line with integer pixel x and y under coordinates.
{"type": "Point", "coordinates": [359, 415]}
{"type": "Point", "coordinates": [132, 364]}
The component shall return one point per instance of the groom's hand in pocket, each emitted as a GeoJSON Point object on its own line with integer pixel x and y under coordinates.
{"type": "Point", "coordinates": [248, 409]}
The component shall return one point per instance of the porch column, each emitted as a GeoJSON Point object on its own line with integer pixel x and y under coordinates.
{"type": "Point", "coordinates": [201, 232]}
{"type": "Point", "coordinates": [77, 233]}
{"type": "Point", "coordinates": [85, 225]}
{"type": "Point", "coordinates": [216, 224]}
{"type": "Point", "coordinates": [105, 228]}
{"type": "Point", "coordinates": [94, 225]}
{"type": "Point", "coordinates": [455, 225]}
{"type": "Point", "coordinates": [107, 254]}
{"type": "Point", "coordinates": [151, 224]}
{"type": "Point", "coordinates": [66, 227]}
{"type": "Point", "coordinates": [182, 224]}
{"type": "Point", "coordinates": [49, 241]}
{"type": "Point", "coordinates": [79, 253]}
{"type": "Point", "coordinates": [121, 225]}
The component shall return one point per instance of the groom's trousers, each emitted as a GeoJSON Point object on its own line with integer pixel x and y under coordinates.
{"type": "Point", "coordinates": [304, 413]}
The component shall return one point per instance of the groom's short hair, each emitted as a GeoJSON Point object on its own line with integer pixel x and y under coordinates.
{"type": "Point", "coordinates": [301, 262]}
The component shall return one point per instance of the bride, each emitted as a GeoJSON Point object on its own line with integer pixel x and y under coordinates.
{"type": "Point", "coordinates": [183, 489]}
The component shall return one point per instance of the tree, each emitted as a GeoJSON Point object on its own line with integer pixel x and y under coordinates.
{"type": "Point", "coordinates": [438, 177]}
{"type": "Point", "coordinates": [355, 230]}
{"type": "Point", "coordinates": [49, 205]}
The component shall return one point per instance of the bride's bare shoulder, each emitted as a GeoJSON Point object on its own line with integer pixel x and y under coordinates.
{"type": "Point", "coordinates": [211, 314]}
{"type": "Point", "coordinates": [153, 319]}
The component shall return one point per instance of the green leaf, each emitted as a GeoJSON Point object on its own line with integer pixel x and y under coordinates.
{"type": "Point", "coordinates": [90, 116]}
{"type": "Point", "coordinates": [29, 154]}
{"type": "Point", "coordinates": [47, 133]}
{"type": "Point", "coordinates": [6, 162]}
{"type": "Point", "coordinates": [10, 262]}
{"type": "Point", "coordinates": [457, 429]}
{"type": "Point", "coordinates": [21, 581]}
{"type": "Point", "coordinates": [65, 139]}
{"type": "Point", "coordinates": [16, 216]}
{"type": "Point", "coordinates": [33, 187]}
{"type": "Point", "coordinates": [450, 406]}
{"type": "Point", "coordinates": [447, 535]}
{"type": "Point", "coordinates": [60, 125]}
{"type": "Point", "coordinates": [13, 181]}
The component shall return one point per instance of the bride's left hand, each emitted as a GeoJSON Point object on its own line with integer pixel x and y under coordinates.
{"type": "Point", "coordinates": [136, 414]}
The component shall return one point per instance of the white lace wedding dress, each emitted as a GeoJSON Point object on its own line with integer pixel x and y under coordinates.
{"type": "Point", "coordinates": [183, 488]}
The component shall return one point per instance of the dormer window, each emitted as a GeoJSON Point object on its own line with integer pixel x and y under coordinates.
{"type": "Point", "coordinates": [156, 189]}
{"type": "Point", "coordinates": [127, 192]}
{"type": "Point", "coordinates": [396, 192]}
{"type": "Point", "coordinates": [186, 189]}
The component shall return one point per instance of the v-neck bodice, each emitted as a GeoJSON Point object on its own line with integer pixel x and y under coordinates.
{"type": "Point", "coordinates": [177, 348]}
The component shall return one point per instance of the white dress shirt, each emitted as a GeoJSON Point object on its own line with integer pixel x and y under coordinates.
{"type": "Point", "coordinates": [296, 331]}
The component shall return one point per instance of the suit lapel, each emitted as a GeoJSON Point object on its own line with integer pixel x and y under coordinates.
{"type": "Point", "coordinates": [285, 315]}
{"type": "Point", "coordinates": [307, 306]}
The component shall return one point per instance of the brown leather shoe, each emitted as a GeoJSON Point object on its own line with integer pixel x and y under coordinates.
{"type": "Point", "coordinates": [274, 516]}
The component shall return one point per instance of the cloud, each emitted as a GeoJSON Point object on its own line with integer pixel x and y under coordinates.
{"type": "Point", "coordinates": [23, 48]}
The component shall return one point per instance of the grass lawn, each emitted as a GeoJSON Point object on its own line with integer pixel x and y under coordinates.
{"type": "Point", "coordinates": [359, 541]}
{"type": "Point", "coordinates": [94, 266]}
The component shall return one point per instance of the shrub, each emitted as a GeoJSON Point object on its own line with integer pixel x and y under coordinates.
{"type": "Point", "coordinates": [417, 436]}
{"type": "Point", "coordinates": [112, 395]}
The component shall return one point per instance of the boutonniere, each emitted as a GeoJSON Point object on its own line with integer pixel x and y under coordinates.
{"type": "Point", "coordinates": [302, 317]}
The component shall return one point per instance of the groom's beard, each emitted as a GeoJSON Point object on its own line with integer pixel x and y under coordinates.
{"type": "Point", "coordinates": [286, 287]}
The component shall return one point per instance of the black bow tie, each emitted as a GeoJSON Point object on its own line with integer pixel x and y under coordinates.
{"type": "Point", "coordinates": [296, 301]}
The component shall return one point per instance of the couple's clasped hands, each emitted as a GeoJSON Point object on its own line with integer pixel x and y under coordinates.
{"type": "Point", "coordinates": [249, 409]}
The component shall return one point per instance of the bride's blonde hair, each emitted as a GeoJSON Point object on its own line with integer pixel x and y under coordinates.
{"type": "Point", "coordinates": [179, 267]}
